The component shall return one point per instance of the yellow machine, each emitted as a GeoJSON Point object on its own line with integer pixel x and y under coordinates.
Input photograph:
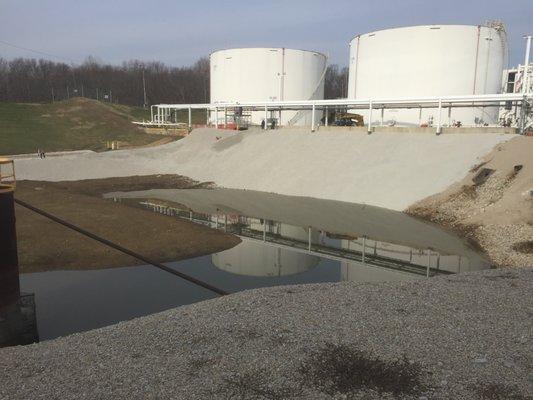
{"type": "Point", "coordinates": [349, 119]}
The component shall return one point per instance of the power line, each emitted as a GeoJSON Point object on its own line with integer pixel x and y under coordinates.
{"type": "Point", "coordinates": [38, 52]}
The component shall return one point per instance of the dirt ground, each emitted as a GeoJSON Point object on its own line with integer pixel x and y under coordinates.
{"type": "Point", "coordinates": [44, 245]}
{"type": "Point", "coordinates": [492, 205]}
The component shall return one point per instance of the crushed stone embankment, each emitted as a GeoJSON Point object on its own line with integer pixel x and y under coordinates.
{"type": "Point", "coordinates": [465, 336]}
{"type": "Point", "coordinates": [493, 204]}
{"type": "Point", "coordinates": [391, 170]}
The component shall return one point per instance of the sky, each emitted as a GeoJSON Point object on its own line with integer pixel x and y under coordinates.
{"type": "Point", "coordinates": [180, 32]}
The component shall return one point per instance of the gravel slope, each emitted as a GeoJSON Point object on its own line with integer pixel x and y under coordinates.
{"type": "Point", "coordinates": [496, 212]}
{"type": "Point", "coordinates": [333, 165]}
{"type": "Point", "coordinates": [464, 337]}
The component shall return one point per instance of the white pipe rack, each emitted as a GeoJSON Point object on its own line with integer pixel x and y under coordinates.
{"type": "Point", "coordinates": [497, 100]}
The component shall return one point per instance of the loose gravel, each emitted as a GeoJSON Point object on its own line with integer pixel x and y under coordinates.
{"type": "Point", "coordinates": [333, 165]}
{"type": "Point", "coordinates": [465, 336]}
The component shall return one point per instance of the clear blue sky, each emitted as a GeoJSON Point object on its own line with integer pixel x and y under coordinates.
{"type": "Point", "coordinates": [179, 32]}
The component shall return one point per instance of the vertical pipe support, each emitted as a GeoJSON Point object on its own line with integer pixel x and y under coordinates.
{"type": "Point", "coordinates": [439, 118]}
{"type": "Point", "coordinates": [264, 230]}
{"type": "Point", "coordinates": [326, 120]}
{"type": "Point", "coordinates": [309, 238]}
{"type": "Point", "coordinates": [225, 117]}
{"type": "Point", "coordinates": [190, 118]}
{"type": "Point", "coordinates": [266, 117]}
{"type": "Point", "coordinates": [216, 117]}
{"type": "Point", "coordinates": [313, 109]}
{"type": "Point", "coordinates": [369, 130]}
{"type": "Point", "coordinates": [525, 83]}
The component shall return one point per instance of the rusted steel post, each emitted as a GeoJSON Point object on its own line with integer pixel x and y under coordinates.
{"type": "Point", "coordinates": [9, 271]}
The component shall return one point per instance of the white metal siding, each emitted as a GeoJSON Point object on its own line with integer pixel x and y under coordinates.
{"type": "Point", "coordinates": [428, 61]}
{"type": "Point", "coordinates": [256, 74]}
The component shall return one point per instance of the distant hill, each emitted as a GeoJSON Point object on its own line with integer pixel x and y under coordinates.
{"type": "Point", "coordinates": [74, 124]}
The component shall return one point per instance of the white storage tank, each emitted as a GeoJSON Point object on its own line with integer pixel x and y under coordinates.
{"type": "Point", "coordinates": [428, 61]}
{"type": "Point", "coordinates": [258, 259]}
{"type": "Point", "coordinates": [268, 74]}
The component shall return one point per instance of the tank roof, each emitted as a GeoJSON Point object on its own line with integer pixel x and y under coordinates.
{"type": "Point", "coordinates": [268, 48]}
{"type": "Point", "coordinates": [420, 26]}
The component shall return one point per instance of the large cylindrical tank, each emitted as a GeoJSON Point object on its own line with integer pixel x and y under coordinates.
{"type": "Point", "coordinates": [268, 74]}
{"type": "Point", "coordinates": [428, 61]}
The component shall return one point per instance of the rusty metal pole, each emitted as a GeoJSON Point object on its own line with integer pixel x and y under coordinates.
{"type": "Point", "coordinates": [9, 271]}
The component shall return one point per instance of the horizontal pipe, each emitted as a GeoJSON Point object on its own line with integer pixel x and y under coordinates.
{"type": "Point", "coordinates": [363, 102]}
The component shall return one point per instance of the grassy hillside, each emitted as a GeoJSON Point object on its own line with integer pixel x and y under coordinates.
{"type": "Point", "coordinates": [74, 124]}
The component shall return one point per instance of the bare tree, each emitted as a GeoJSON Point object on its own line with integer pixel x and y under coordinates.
{"type": "Point", "coordinates": [30, 80]}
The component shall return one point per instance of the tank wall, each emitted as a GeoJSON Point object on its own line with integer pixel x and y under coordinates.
{"type": "Point", "coordinates": [268, 74]}
{"type": "Point", "coordinates": [255, 259]}
{"type": "Point", "coordinates": [428, 61]}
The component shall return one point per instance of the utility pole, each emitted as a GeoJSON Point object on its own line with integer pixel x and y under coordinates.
{"type": "Point", "coordinates": [145, 103]}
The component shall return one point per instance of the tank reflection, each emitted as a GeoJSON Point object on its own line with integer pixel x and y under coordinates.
{"type": "Point", "coordinates": [253, 258]}
{"type": "Point", "coordinates": [284, 235]}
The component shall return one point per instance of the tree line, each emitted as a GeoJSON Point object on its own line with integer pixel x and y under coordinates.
{"type": "Point", "coordinates": [133, 83]}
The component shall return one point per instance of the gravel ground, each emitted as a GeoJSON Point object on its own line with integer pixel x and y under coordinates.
{"type": "Point", "coordinates": [465, 336]}
{"type": "Point", "coordinates": [498, 239]}
{"type": "Point", "coordinates": [334, 165]}
{"type": "Point", "coordinates": [497, 212]}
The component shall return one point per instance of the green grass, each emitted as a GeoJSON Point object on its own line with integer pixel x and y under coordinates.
{"type": "Point", "coordinates": [140, 114]}
{"type": "Point", "coordinates": [74, 124]}
{"type": "Point", "coordinates": [134, 113]}
{"type": "Point", "coordinates": [197, 116]}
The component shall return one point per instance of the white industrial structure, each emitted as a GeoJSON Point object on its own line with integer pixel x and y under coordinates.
{"type": "Point", "coordinates": [440, 76]}
{"type": "Point", "coordinates": [266, 75]}
{"type": "Point", "coordinates": [429, 61]}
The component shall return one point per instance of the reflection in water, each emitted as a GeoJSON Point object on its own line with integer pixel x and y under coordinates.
{"type": "Point", "coordinates": [255, 259]}
{"type": "Point", "coordinates": [360, 237]}
{"type": "Point", "coordinates": [18, 323]}
{"type": "Point", "coordinates": [285, 240]}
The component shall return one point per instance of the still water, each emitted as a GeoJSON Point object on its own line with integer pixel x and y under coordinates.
{"type": "Point", "coordinates": [285, 240]}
